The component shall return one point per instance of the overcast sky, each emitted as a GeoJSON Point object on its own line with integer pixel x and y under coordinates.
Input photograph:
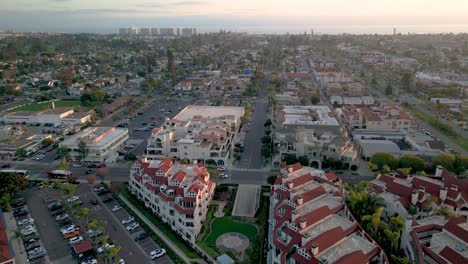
{"type": "Point", "coordinates": [251, 15]}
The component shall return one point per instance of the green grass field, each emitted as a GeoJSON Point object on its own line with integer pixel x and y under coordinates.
{"type": "Point", "coordinates": [224, 225]}
{"type": "Point", "coordinates": [44, 106]}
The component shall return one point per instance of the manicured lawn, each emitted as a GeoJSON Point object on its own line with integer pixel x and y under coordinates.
{"type": "Point", "coordinates": [44, 106]}
{"type": "Point", "coordinates": [224, 225]}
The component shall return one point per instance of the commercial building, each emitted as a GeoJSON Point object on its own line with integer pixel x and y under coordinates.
{"type": "Point", "coordinates": [13, 138]}
{"type": "Point", "coordinates": [197, 133]}
{"type": "Point", "coordinates": [56, 116]}
{"type": "Point", "coordinates": [310, 223]}
{"type": "Point", "coordinates": [178, 194]}
{"type": "Point", "coordinates": [359, 100]}
{"type": "Point", "coordinates": [101, 144]}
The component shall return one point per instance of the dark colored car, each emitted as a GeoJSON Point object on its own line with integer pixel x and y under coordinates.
{"type": "Point", "coordinates": [6, 166]}
{"type": "Point", "coordinates": [106, 198]}
{"type": "Point", "coordinates": [58, 212]}
{"type": "Point", "coordinates": [102, 192]}
{"type": "Point", "coordinates": [91, 166]}
{"type": "Point", "coordinates": [18, 212]}
{"type": "Point", "coordinates": [141, 236]}
{"type": "Point", "coordinates": [54, 206]}
{"type": "Point", "coordinates": [93, 201]}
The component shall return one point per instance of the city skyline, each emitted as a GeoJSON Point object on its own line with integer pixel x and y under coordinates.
{"type": "Point", "coordinates": [362, 16]}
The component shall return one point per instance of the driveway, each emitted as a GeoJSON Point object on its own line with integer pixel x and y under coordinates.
{"type": "Point", "coordinates": [246, 203]}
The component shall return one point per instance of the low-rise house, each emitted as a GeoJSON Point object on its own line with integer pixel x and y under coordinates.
{"type": "Point", "coordinates": [178, 194]}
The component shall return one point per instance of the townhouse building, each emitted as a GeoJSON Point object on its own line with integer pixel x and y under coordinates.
{"type": "Point", "coordinates": [179, 194]}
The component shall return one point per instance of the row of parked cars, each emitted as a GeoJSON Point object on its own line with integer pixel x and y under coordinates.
{"type": "Point", "coordinates": [27, 229]}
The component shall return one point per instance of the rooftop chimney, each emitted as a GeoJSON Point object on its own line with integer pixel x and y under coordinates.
{"type": "Point", "coordinates": [303, 223]}
{"type": "Point", "coordinates": [454, 187]}
{"type": "Point", "coordinates": [290, 184]}
{"type": "Point", "coordinates": [443, 193]}
{"type": "Point", "coordinates": [53, 105]}
{"type": "Point", "coordinates": [439, 170]}
{"type": "Point", "coordinates": [414, 197]}
{"type": "Point", "coordinates": [299, 199]}
{"type": "Point", "coordinates": [315, 249]}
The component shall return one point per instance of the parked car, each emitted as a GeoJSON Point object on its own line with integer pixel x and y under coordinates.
{"type": "Point", "coordinates": [157, 253]}
{"type": "Point", "coordinates": [91, 166]}
{"type": "Point", "coordinates": [77, 165]}
{"type": "Point", "coordinates": [94, 233]}
{"type": "Point", "coordinates": [116, 208]}
{"type": "Point", "coordinates": [93, 201]}
{"type": "Point", "coordinates": [54, 206]}
{"type": "Point", "coordinates": [107, 198]}
{"type": "Point", "coordinates": [101, 250]}
{"type": "Point", "coordinates": [18, 212]}
{"type": "Point", "coordinates": [75, 240]}
{"type": "Point", "coordinates": [57, 212]}
{"type": "Point", "coordinates": [127, 220]}
{"type": "Point", "coordinates": [223, 176]}
{"type": "Point", "coordinates": [6, 166]}
{"type": "Point", "coordinates": [25, 221]}
{"type": "Point", "coordinates": [27, 230]}
{"type": "Point", "coordinates": [133, 226]}
{"type": "Point", "coordinates": [140, 237]}
{"type": "Point", "coordinates": [89, 261]}
{"type": "Point", "coordinates": [72, 234]}
{"type": "Point", "coordinates": [61, 217]}
{"type": "Point", "coordinates": [30, 246]}
{"type": "Point", "coordinates": [69, 229]}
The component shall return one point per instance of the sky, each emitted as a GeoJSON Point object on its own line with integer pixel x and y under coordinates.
{"type": "Point", "coordinates": [256, 16]}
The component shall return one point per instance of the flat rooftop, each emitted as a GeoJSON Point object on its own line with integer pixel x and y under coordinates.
{"type": "Point", "coordinates": [302, 115]}
{"type": "Point", "coordinates": [326, 224]}
{"type": "Point", "coordinates": [444, 239]}
{"type": "Point", "coordinates": [324, 200]}
{"type": "Point", "coordinates": [190, 111]}
{"type": "Point", "coordinates": [348, 245]}
{"type": "Point", "coordinates": [96, 136]}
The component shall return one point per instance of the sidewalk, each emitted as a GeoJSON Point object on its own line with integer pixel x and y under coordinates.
{"type": "Point", "coordinates": [161, 235]}
{"type": "Point", "coordinates": [19, 251]}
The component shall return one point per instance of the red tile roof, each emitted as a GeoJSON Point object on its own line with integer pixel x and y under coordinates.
{"type": "Point", "coordinates": [83, 247]}
{"type": "Point", "coordinates": [453, 256]}
{"type": "Point", "coordinates": [352, 258]}
{"type": "Point", "coordinates": [179, 176]}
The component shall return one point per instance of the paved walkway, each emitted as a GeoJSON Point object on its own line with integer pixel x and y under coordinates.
{"type": "Point", "coordinates": [19, 252]}
{"type": "Point", "coordinates": [161, 235]}
{"type": "Point", "coordinates": [221, 205]}
{"type": "Point", "coordinates": [247, 198]}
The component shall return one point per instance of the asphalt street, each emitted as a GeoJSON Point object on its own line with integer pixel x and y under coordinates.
{"type": "Point", "coordinates": [252, 157]}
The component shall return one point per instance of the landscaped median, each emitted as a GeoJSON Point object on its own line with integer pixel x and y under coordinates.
{"type": "Point", "coordinates": [165, 229]}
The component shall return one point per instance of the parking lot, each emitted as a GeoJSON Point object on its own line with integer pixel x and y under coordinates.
{"type": "Point", "coordinates": [146, 245]}
{"type": "Point", "coordinates": [59, 251]}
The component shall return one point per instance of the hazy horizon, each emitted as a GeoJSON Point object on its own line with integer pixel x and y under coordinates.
{"type": "Point", "coordinates": [260, 16]}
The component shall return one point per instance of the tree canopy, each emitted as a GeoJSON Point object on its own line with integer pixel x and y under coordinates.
{"type": "Point", "coordinates": [384, 158]}
{"type": "Point", "coordinates": [12, 182]}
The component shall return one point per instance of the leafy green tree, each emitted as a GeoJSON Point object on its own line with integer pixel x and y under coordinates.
{"type": "Point", "coordinates": [303, 160]}
{"type": "Point", "coordinates": [266, 139]}
{"type": "Point", "coordinates": [63, 152]}
{"type": "Point", "coordinates": [384, 158]}
{"type": "Point", "coordinates": [82, 149]}
{"type": "Point", "coordinates": [290, 159]}
{"type": "Point", "coordinates": [266, 151]}
{"type": "Point", "coordinates": [410, 161]}
{"type": "Point", "coordinates": [12, 182]}
{"type": "Point", "coordinates": [314, 100]}
{"type": "Point", "coordinates": [47, 142]}
{"type": "Point", "coordinates": [21, 153]}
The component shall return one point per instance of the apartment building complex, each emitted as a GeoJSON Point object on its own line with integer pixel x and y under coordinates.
{"type": "Point", "coordinates": [387, 117]}
{"type": "Point", "coordinates": [310, 223]}
{"type": "Point", "coordinates": [179, 194]}
{"type": "Point", "coordinates": [204, 133]}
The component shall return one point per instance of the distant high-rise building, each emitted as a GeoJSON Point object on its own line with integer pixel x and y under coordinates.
{"type": "Point", "coordinates": [134, 31]}
{"type": "Point", "coordinates": [166, 31]}
{"type": "Point", "coordinates": [123, 31]}
{"type": "Point", "coordinates": [154, 31]}
{"type": "Point", "coordinates": [394, 31]}
{"type": "Point", "coordinates": [187, 32]}
{"type": "Point", "coordinates": [145, 31]}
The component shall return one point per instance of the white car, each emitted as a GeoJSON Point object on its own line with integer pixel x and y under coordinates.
{"type": "Point", "coordinates": [100, 250]}
{"type": "Point", "coordinates": [133, 226]}
{"type": "Point", "coordinates": [77, 165]}
{"type": "Point", "coordinates": [26, 221]}
{"type": "Point", "coordinates": [28, 230]}
{"type": "Point", "coordinates": [157, 253]}
{"type": "Point", "coordinates": [221, 168]}
{"type": "Point", "coordinates": [127, 220]}
{"type": "Point", "coordinates": [61, 217]}
{"type": "Point", "coordinates": [223, 176]}
{"type": "Point", "coordinates": [73, 198]}
{"type": "Point", "coordinates": [75, 240]}
{"type": "Point", "coordinates": [116, 208]}
{"type": "Point", "coordinates": [89, 261]}
{"type": "Point", "coordinates": [69, 229]}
